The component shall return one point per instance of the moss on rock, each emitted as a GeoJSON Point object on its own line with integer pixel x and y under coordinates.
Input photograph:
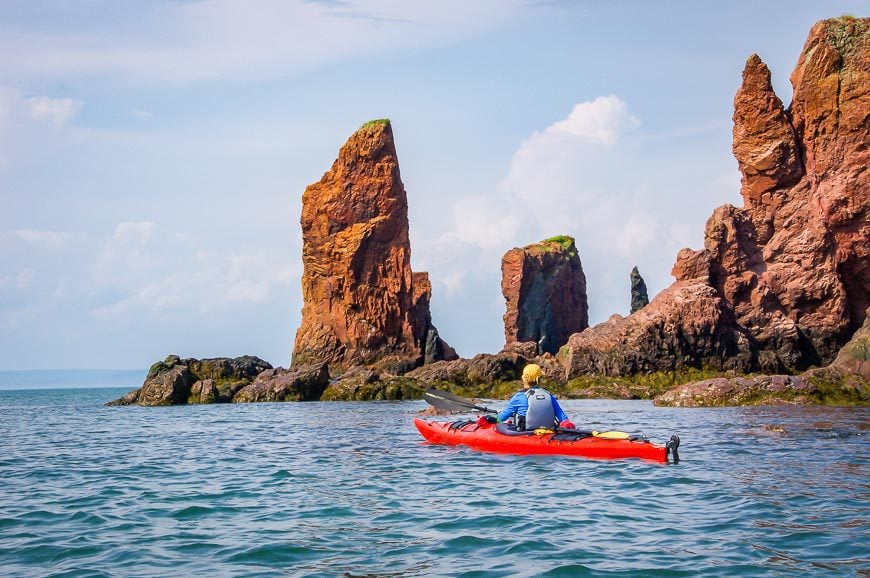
{"type": "Point", "coordinates": [361, 387]}
{"type": "Point", "coordinates": [375, 122]}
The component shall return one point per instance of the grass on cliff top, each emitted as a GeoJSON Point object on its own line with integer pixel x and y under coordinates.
{"type": "Point", "coordinates": [564, 241]}
{"type": "Point", "coordinates": [844, 33]}
{"type": "Point", "coordinates": [375, 122]}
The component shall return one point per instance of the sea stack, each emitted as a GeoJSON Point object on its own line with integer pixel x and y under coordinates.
{"type": "Point", "coordinates": [545, 291]}
{"type": "Point", "coordinates": [639, 296]}
{"type": "Point", "coordinates": [784, 281]}
{"type": "Point", "coordinates": [362, 304]}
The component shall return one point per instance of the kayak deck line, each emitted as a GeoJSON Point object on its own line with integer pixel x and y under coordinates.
{"type": "Point", "coordinates": [486, 437]}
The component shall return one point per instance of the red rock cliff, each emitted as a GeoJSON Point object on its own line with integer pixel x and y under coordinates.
{"type": "Point", "coordinates": [545, 291]}
{"type": "Point", "coordinates": [787, 276]}
{"type": "Point", "coordinates": [362, 304]}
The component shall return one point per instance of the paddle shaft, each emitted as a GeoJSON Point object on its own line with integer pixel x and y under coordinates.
{"type": "Point", "coordinates": [450, 402]}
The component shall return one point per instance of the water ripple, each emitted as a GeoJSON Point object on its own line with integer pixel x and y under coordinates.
{"type": "Point", "coordinates": [266, 490]}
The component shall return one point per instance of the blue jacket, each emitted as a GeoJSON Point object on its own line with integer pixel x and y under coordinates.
{"type": "Point", "coordinates": [519, 405]}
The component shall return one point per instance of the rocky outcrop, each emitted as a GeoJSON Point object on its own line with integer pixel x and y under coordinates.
{"type": "Point", "coordinates": [845, 381]}
{"type": "Point", "coordinates": [177, 381]}
{"type": "Point", "coordinates": [764, 142]}
{"type": "Point", "coordinates": [783, 281]}
{"type": "Point", "coordinates": [684, 327]}
{"type": "Point", "coordinates": [297, 384]}
{"type": "Point", "coordinates": [854, 358]}
{"type": "Point", "coordinates": [490, 375]}
{"type": "Point", "coordinates": [545, 291]}
{"type": "Point", "coordinates": [361, 384]}
{"type": "Point", "coordinates": [749, 390]}
{"type": "Point", "coordinates": [639, 296]}
{"type": "Point", "coordinates": [434, 348]}
{"type": "Point", "coordinates": [482, 369]}
{"type": "Point", "coordinates": [361, 301]}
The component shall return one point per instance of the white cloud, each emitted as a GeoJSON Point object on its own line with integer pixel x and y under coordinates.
{"type": "Point", "coordinates": [639, 232]}
{"type": "Point", "coordinates": [49, 239]}
{"type": "Point", "coordinates": [57, 111]}
{"type": "Point", "coordinates": [591, 176]}
{"type": "Point", "coordinates": [157, 270]}
{"type": "Point", "coordinates": [182, 42]}
{"type": "Point", "coordinates": [599, 121]}
{"type": "Point", "coordinates": [127, 257]}
{"type": "Point", "coordinates": [29, 126]}
{"type": "Point", "coordinates": [483, 222]}
{"type": "Point", "coordinates": [24, 278]}
{"type": "Point", "coordinates": [20, 280]}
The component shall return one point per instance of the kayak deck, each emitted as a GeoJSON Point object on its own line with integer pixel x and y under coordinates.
{"type": "Point", "coordinates": [485, 437]}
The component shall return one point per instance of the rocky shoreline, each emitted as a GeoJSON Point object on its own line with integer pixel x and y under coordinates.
{"type": "Point", "coordinates": [773, 309]}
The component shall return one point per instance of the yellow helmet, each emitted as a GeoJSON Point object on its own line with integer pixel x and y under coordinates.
{"type": "Point", "coordinates": [532, 373]}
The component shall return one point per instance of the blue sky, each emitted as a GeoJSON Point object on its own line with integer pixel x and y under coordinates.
{"type": "Point", "coordinates": [153, 154]}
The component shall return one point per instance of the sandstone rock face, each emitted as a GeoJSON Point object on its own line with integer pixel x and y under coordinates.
{"type": "Point", "coordinates": [764, 141]}
{"type": "Point", "coordinates": [299, 384]}
{"type": "Point", "coordinates": [482, 369]}
{"type": "Point", "coordinates": [754, 390]}
{"type": "Point", "coordinates": [849, 374]}
{"type": "Point", "coordinates": [854, 358]}
{"type": "Point", "coordinates": [845, 381]}
{"type": "Point", "coordinates": [362, 302]}
{"type": "Point", "coordinates": [791, 268]}
{"type": "Point", "coordinates": [176, 381]}
{"type": "Point", "coordinates": [639, 296]}
{"type": "Point", "coordinates": [169, 387]}
{"type": "Point", "coordinates": [545, 290]}
{"type": "Point", "coordinates": [683, 327]}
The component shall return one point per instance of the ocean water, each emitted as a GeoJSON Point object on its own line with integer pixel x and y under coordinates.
{"type": "Point", "coordinates": [350, 489]}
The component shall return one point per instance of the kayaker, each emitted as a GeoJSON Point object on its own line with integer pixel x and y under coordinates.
{"type": "Point", "coordinates": [533, 399]}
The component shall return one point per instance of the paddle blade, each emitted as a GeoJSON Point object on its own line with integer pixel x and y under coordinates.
{"type": "Point", "coordinates": [446, 401]}
{"type": "Point", "coordinates": [433, 398]}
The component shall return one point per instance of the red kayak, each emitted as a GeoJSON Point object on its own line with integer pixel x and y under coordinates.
{"type": "Point", "coordinates": [500, 438]}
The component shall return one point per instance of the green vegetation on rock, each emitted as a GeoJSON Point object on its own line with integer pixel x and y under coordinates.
{"type": "Point", "coordinates": [377, 121]}
{"type": "Point", "coordinates": [566, 241]}
{"type": "Point", "coordinates": [639, 386]}
{"type": "Point", "coordinates": [830, 389]}
{"type": "Point", "coordinates": [586, 386]}
{"type": "Point", "coordinates": [164, 365]}
{"type": "Point", "coordinates": [858, 349]}
{"type": "Point", "coordinates": [845, 32]}
{"type": "Point", "coordinates": [388, 389]}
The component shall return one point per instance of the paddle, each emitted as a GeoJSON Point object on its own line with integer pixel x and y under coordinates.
{"type": "Point", "coordinates": [444, 400]}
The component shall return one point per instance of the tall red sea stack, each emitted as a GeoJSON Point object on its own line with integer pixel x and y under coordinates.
{"type": "Point", "coordinates": [792, 266]}
{"type": "Point", "coordinates": [362, 304]}
{"type": "Point", "coordinates": [545, 291]}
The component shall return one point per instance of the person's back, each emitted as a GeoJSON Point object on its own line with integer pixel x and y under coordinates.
{"type": "Point", "coordinates": [540, 413]}
{"type": "Point", "coordinates": [520, 404]}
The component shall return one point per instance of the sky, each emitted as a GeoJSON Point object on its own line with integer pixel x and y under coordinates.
{"type": "Point", "coordinates": [153, 154]}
